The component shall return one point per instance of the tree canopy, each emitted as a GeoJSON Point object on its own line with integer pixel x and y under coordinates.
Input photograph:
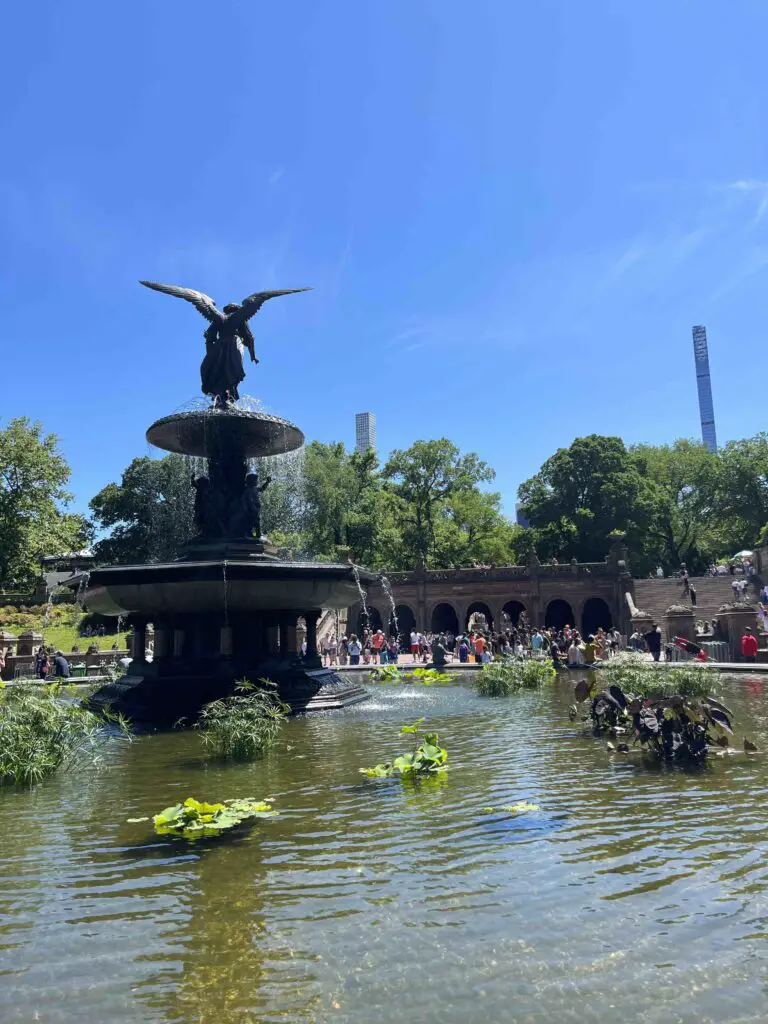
{"type": "Point", "coordinates": [33, 518]}
{"type": "Point", "coordinates": [428, 504]}
{"type": "Point", "coordinates": [585, 493]}
{"type": "Point", "coordinates": [150, 513]}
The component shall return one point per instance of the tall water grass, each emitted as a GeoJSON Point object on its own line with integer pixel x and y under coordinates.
{"type": "Point", "coordinates": [636, 675]}
{"type": "Point", "coordinates": [243, 727]}
{"type": "Point", "coordinates": [41, 733]}
{"type": "Point", "coordinates": [510, 675]}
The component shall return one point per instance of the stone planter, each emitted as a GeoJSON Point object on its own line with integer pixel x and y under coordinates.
{"type": "Point", "coordinates": [29, 643]}
{"type": "Point", "coordinates": [680, 623]}
{"type": "Point", "coordinates": [733, 618]}
{"type": "Point", "coordinates": [8, 641]}
{"type": "Point", "coordinates": [641, 622]}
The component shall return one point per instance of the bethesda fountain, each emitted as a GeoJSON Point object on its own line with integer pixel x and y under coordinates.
{"type": "Point", "coordinates": [227, 607]}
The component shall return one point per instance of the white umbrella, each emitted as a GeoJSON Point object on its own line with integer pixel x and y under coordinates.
{"type": "Point", "coordinates": [742, 554]}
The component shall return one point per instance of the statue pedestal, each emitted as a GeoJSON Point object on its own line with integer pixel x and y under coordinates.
{"type": "Point", "coordinates": [204, 550]}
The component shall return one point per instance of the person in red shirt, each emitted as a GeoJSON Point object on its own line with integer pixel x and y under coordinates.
{"type": "Point", "coordinates": [479, 647]}
{"type": "Point", "coordinates": [748, 645]}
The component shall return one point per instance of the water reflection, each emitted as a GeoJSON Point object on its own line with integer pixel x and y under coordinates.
{"type": "Point", "coordinates": [631, 894]}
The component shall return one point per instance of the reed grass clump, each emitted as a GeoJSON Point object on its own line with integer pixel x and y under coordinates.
{"type": "Point", "coordinates": [245, 726]}
{"type": "Point", "coordinates": [510, 675]}
{"type": "Point", "coordinates": [41, 732]}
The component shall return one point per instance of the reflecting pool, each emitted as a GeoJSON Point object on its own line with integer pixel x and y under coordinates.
{"type": "Point", "coordinates": [635, 893]}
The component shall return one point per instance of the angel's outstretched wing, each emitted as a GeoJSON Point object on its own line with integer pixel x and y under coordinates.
{"type": "Point", "coordinates": [254, 302]}
{"type": "Point", "coordinates": [203, 303]}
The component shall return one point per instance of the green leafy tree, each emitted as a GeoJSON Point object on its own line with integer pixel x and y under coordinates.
{"type": "Point", "coordinates": [472, 530]}
{"type": "Point", "coordinates": [583, 494]}
{"type": "Point", "coordinates": [424, 479]}
{"type": "Point", "coordinates": [742, 491]}
{"type": "Point", "coordinates": [33, 500]}
{"type": "Point", "coordinates": [149, 514]}
{"type": "Point", "coordinates": [683, 528]}
{"type": "Point", "coordinates": [346, 505]}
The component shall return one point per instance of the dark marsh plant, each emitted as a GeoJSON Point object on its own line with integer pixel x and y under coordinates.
{"type": "Point", "coordinates": [243, 727]}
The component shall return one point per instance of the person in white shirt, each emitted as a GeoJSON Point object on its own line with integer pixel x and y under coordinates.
{"type": "Point", "coordinates": [355, 649]}
{"type": "Point", "coordinates": [415, 645]}
{"type": "Point", "coordinates": [575, 655]}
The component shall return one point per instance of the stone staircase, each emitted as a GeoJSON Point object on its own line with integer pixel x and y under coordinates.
{"type": "Point", "coordinates": [656, 595]}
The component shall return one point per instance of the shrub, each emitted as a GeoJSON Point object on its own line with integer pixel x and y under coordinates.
{"type": "Point", "coordinates": [41, 733]}
{"type": "Point", "coordinates": [502, 678]}
{"type": "Point", "coordinates": [245, 726]}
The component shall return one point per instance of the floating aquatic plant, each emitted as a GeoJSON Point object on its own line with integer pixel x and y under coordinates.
{"type": "Point", "coordinates": [428, 676]}
{"type": "Point", "coordinates": [194, 819]}
{"type": "Point", "coordinates": [396, 674]}
{"type": "Point", "coordinates": [521, 807]}
{"type": "Point", "coordinates": [428, 759]}
{"type": "Point", "coordinates": [636, 675]}
{"type": "Point", "coordinates": [387, 674]}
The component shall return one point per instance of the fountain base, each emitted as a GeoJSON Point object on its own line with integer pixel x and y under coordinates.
{"type": "Point", "coordinates": [151, 699]}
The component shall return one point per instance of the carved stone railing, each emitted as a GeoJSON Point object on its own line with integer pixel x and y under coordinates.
{"type": "Point", "coordinates": [564, 570]}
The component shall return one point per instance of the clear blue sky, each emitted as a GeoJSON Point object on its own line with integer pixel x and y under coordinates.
{"type": "Point", "coordinates": [511, 215]}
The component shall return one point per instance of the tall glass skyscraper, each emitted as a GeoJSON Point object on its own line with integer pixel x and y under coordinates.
{"type": "Point", "coordinates": [365, 432]}
{"type": "Point", "coordinates": [703, 383]}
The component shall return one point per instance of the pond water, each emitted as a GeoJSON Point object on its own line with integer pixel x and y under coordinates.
{"type": "Point", "coordinates": [634, 893]}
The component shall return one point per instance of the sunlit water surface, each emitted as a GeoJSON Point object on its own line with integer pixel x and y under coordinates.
{"type": "Point", "coordinates": [633, 894]}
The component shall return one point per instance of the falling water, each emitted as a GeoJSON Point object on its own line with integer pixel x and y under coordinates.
{"type": "Point", "coordinates": [226, 599]}
{"type": "Point", "coordinates": [119, 629]}
{"type": "Point", "coordinates": [48, 607]}
{"type": "Point", "coordinates": [386, 586]}
{"type": "Point", "coordinates": [363, 594]}
{"type": "Point", "coordinates": [82, 586]}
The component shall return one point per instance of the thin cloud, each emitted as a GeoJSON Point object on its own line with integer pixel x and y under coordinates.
{"type": "Point", "coordinates": [755, 187]}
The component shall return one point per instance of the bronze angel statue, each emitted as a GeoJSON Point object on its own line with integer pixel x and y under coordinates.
{"type": "Point", "coordinates": [226, 339]}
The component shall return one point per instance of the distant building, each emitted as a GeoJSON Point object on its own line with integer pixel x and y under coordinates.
{"type": "Point", "coordinates": [365, 432]}
{"type": "Point", "coordinates": [520, 517]}
{"type": "Point", "coordinates": [704, 385]}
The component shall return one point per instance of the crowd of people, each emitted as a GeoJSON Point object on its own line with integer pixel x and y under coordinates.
{"type": "Point", "coordinates": [564, 646]}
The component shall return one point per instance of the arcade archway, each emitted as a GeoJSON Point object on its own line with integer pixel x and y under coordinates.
{"type": "Point", "coordinates": [444, 619]}
{"type": "Point", "coordinates": [406, 621]}
{"type": "Point", "coordinates": [595, 614]}
{"type": "Point", "coordinates": [511, 612]}
{"type": "Point", "coordinates": [476, 609]}
{"type": "Point", "coordinates": [559, 614]}
{"type": "Point", "coordinates": [374, 621]}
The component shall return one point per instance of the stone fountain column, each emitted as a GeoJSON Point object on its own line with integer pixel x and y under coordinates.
{"type": "Point", "coordinates": [288, 649]}
{"type": "Point", "coordinates": [312, 658]}
{"type": "Point", "coordinates": [139, 641]}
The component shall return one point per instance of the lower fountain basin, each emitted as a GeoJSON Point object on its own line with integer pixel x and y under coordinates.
{"type": "Point", "coordinates": [193, 587]}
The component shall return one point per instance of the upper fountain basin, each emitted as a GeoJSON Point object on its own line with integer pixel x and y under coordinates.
{"type": "Point", "coordinates": [209, 586]}
{"type": "Point", "coordinates": [205, 432]}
